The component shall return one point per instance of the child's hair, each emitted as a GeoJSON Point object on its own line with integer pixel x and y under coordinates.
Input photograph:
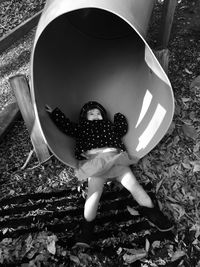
{"type": "Point", "coordinates": [92, 105]}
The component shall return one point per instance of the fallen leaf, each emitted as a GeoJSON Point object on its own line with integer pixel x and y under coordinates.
{"type": "Point", "coordinates": [190, 131]}
{"type": "Point", "coordinates": [185, 99]}
{"type": "Point", "coordinates": [136, 255]}
{"type": "Point", "coordinates": [196, 165]}
{"type": "Point", "coordinates": [179, 209]}
{"type": "Point", "coordinates": [195, 84]}
{"type": "Point", "coordinates": [186, 165]}
{"type": "Point", "coordinates": [29, 242]}
{"type": "Point", "coordinates": [31, 253]}
{"type": "Point", "coordinates": [12, 192]}
{"type": "Point", "coordinates": [147, 245]}
{"type": "Point", "coordinates": [84, 258]}
{"type": "Point", "coordinates": [64, 253]}
{"type": "Point", "coordinates": [196, 228]}
{"type": "Point", "coordinates": [196, 147]}
{"type": "Point", "coordinates": [119, 251]}
{"type": "Point", "coordinates": [5, 230]}
{"type": "Point", "coordinates": [132, 211]}
{"type": "Point", "coordinates": [177, 255]}
{"type": "Point", "coordinates": [74, 259]}
{"type": "Point", "coordinates": [156, 244]}
{"type": "Point", "coordinates": [51, 247]}
{"type": "Point", "coordinates": [171, 128]}
{"type": "Point", "coordinates": [159, 185]}
{"type": "Point", "coordinates": [188, 71]}
{"type": "Point", "coordinates": [172, 199]}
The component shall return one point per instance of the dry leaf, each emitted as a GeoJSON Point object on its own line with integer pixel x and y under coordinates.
{"type": "Point", "coordinates": [196, 228]}
{"type": "Point", "coordinates": [196, 165]}
{"type": "Point", "coordinates": [12, 192]}
{"type": "Point", "coordinates": [119, 251]}
{"type": "Point", "coordinates": [75, 259]}
{"type": "Point", "coordinates": [186, 165]}
{"type": "Point", "coordinates": [179, 209]}
{"type": "Point", "coordinates": [171, 128]}
{"type": "Point", "coordinates": [190, 131]}
{"type": "Point", "coordinates": [156, 244]}
{"type": "Point", "coordinates": [185, 99]}
{"type": "Point", "coordinates": [172, 199]}
{"type": "Point", "coordinates": [177, 255]}
{"type": "Point", "coordinates": [84, 258]}
{"type": "Point", "coordinates": [31, 253]}
{"type": "Point", "coordinates": [147, 245]}
{"type": "Point", "coordinates": [188, 71]}
{"type": "Point", "coordinates": [196, 147]}
{"type": "Point", "coordinates": [132, 211]}
{"type": "Point", "coordinates": [136, 255]}
{"type": "Point", "coordinates": [29, 243]}
{"type": "Point", "coordinates": [51, 247]}
{"type": "Point", "coordinates": [159, 185]}
{"type": "Point", "coordinates": [5, 230]}
{"type": "Point", "coordinates": [195, 83]}
{"type": "Point", "coordinates": [195, 242]}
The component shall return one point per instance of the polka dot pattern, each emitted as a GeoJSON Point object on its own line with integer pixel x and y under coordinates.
{"type": "Point", "coordinates": [92, 134]}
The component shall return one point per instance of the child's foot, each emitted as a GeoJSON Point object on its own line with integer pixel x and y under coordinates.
{"type": "Point", "coordinates": [86, 236]}
{"type": "Point", "coordinates": [157, 218]}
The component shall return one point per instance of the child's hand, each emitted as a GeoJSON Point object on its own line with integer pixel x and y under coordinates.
{"type": "Point", "coordinates": [48, 109]}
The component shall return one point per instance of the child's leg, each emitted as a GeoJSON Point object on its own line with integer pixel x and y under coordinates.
{"type": "Point", "coordinates": [128, 180]}
{"type": "Point", "coordinates": [95, 189]}
{"type": "Point", "coordinates": [153, 214]}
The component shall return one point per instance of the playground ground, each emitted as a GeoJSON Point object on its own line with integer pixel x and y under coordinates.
{"type": "Point", "coordinates": [41, 205]}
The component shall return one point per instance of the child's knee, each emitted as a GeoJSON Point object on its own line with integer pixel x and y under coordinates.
{"type": "Point", "coordinates": [95, 184]}
{"type": "Point", "coordinates": [126, 172]}
{"type": "Point", "coordinates": [128, 179]}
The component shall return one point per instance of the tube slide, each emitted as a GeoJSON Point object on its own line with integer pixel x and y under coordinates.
{"type": "Point", "coordinates": [96, 50]}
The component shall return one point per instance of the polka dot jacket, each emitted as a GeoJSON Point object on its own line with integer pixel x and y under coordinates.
{"type": "Point", "coordinates": [92, 134]}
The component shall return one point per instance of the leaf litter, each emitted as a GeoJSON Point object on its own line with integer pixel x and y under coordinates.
{"type": "Point", "coordinates": [173, 167]}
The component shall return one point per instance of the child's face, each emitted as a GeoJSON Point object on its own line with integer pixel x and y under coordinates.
{"type": "Point", "coordinates": [94, 114]}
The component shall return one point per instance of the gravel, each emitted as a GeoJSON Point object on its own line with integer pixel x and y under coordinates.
{"type": "Point", "coordinates": [15, 60]}
{"type": "Point", "coordinates": [14, 12]}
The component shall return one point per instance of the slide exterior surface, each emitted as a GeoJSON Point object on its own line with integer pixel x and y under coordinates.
{"type": "Point", "coordinates": [96, 51]}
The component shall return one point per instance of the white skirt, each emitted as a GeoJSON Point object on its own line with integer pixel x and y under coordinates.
{"type": "Point", "coordinates": [104, 165]}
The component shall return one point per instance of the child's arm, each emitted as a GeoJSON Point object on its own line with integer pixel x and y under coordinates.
{"type": "Point", "coordinates": [63, 123]}
{"type": "Point", "coordinates": [121, 124]}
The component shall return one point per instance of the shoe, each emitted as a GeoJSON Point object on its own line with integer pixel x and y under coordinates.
{"type": "Point", "coordinates": [86, 236]}
{"type": "Point", "coordinates": [157, 218]}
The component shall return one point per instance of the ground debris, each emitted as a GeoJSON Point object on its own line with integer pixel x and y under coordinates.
{"type": "Point", "coordinates": [41, 205]}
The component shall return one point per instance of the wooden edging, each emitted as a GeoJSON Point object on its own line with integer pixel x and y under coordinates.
{"type": "Point", "coordinates": [169, 7]}
{"type": "Point", "coordinates": [11, 112]}
{"type": "Point", "coordinates": [18, 32]}
{"type": "Point", "coordinates": [20, 87]}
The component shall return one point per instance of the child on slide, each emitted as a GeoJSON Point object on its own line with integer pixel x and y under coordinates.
{"type": "Point", "coordinates": [102, 155]}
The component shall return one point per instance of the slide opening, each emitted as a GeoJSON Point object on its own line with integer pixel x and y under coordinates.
{"type": "Point", "coordinates": [93, 54]}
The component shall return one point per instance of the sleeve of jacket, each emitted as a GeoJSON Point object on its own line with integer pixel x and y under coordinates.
{"type": "Point", "coordinates": [63, 123]}
{"type": "Point", "coordinates": [121, 124]}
